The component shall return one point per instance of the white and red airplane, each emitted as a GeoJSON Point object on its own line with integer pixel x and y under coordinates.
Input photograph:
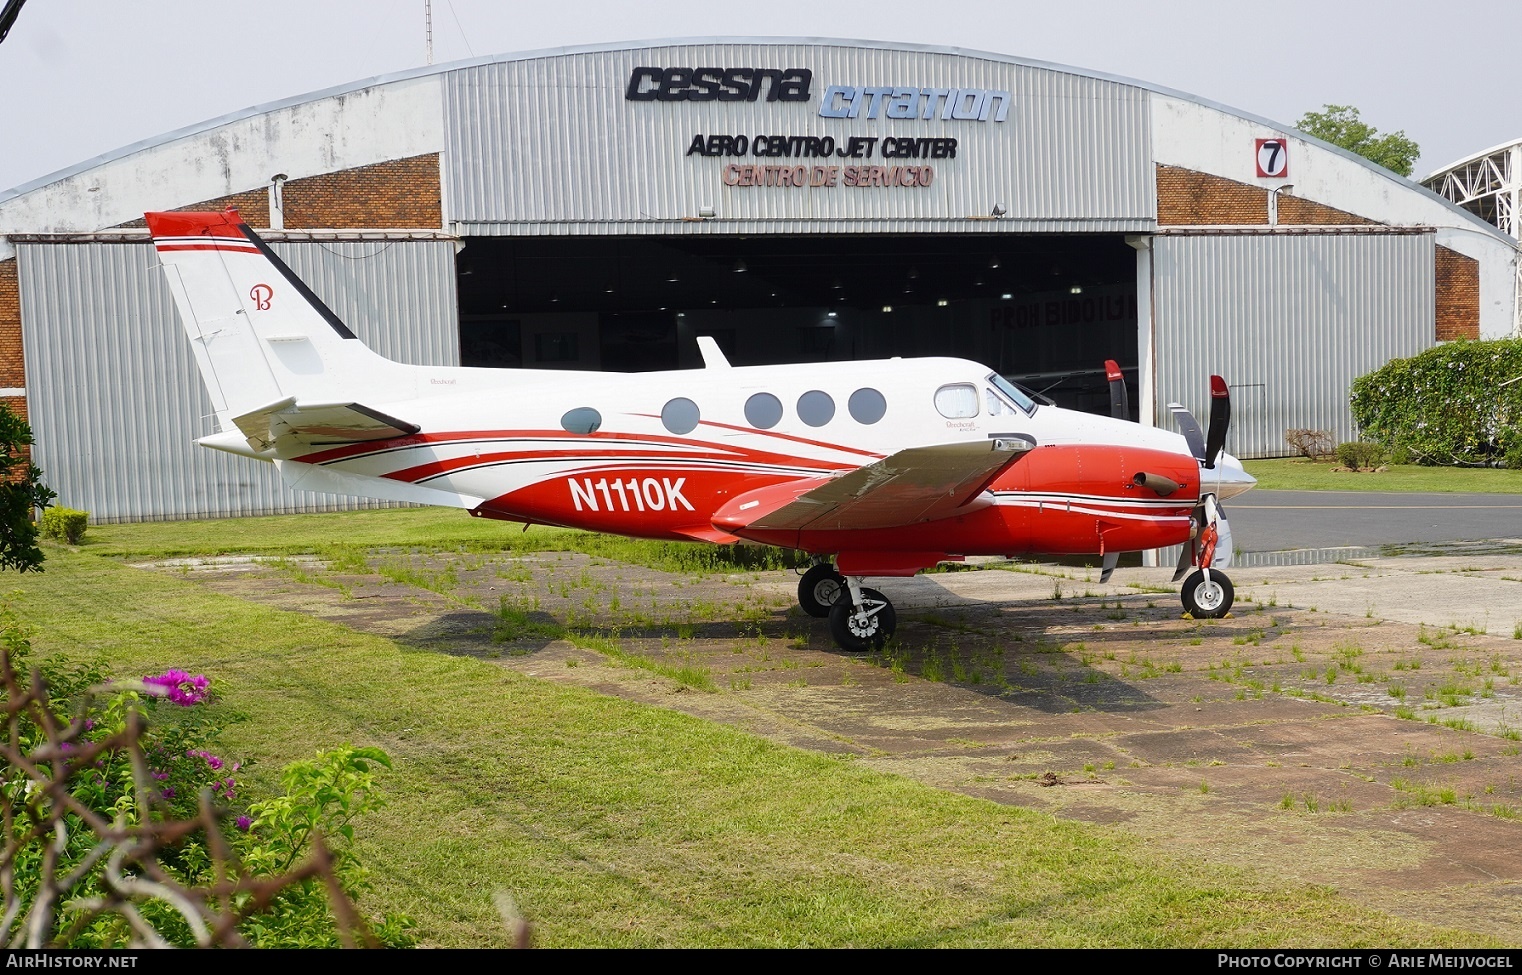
{"type": "Point", "coordinates": [880, 468]}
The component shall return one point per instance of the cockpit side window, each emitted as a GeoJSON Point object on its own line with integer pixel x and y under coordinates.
{"type": "Point", "coordinates": [956, 401]}
{"type": "Point", "coordinates": [1010, 393]}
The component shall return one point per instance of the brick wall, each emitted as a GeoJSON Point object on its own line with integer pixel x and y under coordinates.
{"type": "Point", "coordinates": [253, 206]}
{"type": "Point", "coordinates": [400, 193]}
{"type": "Point", "coordinates": [1293, 210]}
{"type": "Point", "coordinates": [1186, 197]}
{"type": "Point", "coordinates": [1458, 296]}
{"type": "Point", "coordinates": [403, 193]}
{"type": "Point", "coordinates": [12, 370]}
{"type": "Point", "coordinates": [1189, 198]}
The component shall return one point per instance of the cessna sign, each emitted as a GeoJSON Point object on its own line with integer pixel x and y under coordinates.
{"type": "Point", "coordinates": [718, 84]}
{"type": "Point", "coordinates": [840, 101]}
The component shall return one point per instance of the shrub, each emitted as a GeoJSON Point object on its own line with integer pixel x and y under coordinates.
{"type": "Point", "coordinates": [1452, 404]}
{"type": "Point", "coordinates": [1357, 455]}
{"type": "Point", "coordinates": [1314, 444]}
{"type": "Point", "coordinates": [119, 823]}
{"type": "Point", "coordinates": [66, 524]}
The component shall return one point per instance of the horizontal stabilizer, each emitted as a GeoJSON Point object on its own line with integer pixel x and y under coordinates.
{"type": "Point", "coordinates": [916, 485]}
{"type": "Point", "coordinates": [318, 424]}
{"type": "Point", "coordinates": [310, 477]}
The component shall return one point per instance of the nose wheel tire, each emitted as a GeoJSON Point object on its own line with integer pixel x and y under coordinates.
{"type": "Point", "coordinates": [819, 589]}
{"type": "Point", "coordinates": [1207, 600]}
{"type": "Point", "coordinates": [868, 629]}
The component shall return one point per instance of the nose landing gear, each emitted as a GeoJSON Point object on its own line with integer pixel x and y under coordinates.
{"type": "Point", "coordinates": [1207, 594]}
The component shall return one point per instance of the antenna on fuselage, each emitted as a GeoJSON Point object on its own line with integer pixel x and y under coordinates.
{"type": "Point", "coordinates": [713, 356]}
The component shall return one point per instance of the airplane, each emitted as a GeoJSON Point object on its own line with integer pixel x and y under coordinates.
{"type": "Point", "coordinates": [873, 468]}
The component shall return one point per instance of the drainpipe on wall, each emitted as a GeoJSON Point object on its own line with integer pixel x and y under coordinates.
{"type": "Point", "coordinates": [277, 201]}
{"type": "Point", "coordinates": [1146, 350]}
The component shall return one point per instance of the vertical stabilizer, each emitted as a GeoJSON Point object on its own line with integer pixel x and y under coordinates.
{"type": "Point", "coordinates": [259, 333]}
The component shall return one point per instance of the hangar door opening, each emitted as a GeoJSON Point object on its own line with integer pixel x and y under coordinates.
{"type": "Point", "coordinates": [1045, 311]}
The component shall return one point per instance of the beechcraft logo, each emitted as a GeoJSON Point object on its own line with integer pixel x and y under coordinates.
{"type": "Point", "coordinates": [261, 294]}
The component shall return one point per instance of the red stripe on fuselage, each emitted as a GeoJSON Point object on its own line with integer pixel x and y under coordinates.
{"type": "Point", "coordinates": [596, 443]}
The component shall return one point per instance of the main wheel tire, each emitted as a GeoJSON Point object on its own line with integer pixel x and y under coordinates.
{"type": "Point", "coordinates": [819, 589]}
{"type": "Point", "coordinates": [857, 634]}
{"type": "Point", "coordinates": [1207, 600]}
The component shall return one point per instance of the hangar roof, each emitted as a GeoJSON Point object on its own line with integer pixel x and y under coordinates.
{"type": "Point", "coordinates": [445, 68]}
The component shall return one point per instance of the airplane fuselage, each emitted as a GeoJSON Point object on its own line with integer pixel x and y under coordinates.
{"type": "Point", "coordinates": [670, 450]}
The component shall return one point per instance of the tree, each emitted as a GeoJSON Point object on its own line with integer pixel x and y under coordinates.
{"type": "Point", "coordinates": [1341, 126]}
{"type": "Point", "coordinates": [21, 494]}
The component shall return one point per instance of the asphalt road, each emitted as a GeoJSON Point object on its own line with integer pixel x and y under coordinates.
{"type": "Point", "coordinates": [1277, 521]}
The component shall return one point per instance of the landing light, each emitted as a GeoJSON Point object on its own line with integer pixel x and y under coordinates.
{"type": "Point", "coordinates": [940, 303]}
{"type": "Point", "coordinates": [887, 307]}
{"type": "Point", "coordinates": [1076, 289]}
{"type": "Point", "coordinates": [1006, 296]}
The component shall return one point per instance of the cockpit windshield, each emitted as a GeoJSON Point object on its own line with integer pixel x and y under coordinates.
{"type": "Point", "coordinates": [1013, 393]}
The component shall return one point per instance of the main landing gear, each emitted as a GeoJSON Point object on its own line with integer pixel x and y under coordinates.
{"type": "Point", "coordinates": [819, 588]}
{"type": "Point", "coordinates": [861, 619]}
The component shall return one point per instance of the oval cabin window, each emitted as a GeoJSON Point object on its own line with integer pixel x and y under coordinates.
{"type": "Point", "coordinates": [816, 408]}
{"type": "Point", "coordinates": [583, 419]}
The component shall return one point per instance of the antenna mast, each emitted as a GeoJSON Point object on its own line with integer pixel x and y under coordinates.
{"type": "Point", "coordinates": [428, 28]}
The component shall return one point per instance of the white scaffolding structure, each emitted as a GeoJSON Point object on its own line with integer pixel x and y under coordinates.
{"type": "Point", "coordinates": [1489, 185]}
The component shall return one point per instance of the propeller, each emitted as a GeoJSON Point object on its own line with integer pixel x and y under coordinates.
{"type": "Point", "coordinates": [1206, 449]}
{"type": "Point", "coordinates": [1213, 530]}
{"type": "Point", "coordinates": [1220, 420]}
{"type": "Point", "coordinates": [1120, 400]}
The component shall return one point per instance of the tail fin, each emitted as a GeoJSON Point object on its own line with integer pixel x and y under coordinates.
{"type": "Point", "coordinates": [259, 333]}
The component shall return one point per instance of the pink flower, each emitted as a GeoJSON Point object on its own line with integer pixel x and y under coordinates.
{"type": "Point", "coordinates": [180, 687]}
{"type": "Point", "coordinates": [244, 823]}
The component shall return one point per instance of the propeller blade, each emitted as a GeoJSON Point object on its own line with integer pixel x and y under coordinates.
{"type": "Point", "coordinates": [1120, 400]}
{"type": "Point", "coordinates": [1190, 429]}
{"type": "Point", "coordinates": [1185, 561]}
{"type": "Point", "coordinates": [1107, 567]}
{"type": "Point", "coordinates": [1220, 421]}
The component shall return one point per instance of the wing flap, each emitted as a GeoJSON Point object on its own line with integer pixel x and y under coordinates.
{"type": "Point", "coordinates": [916, 485]}
{"type": "Point", "coordinates": [318, 424]}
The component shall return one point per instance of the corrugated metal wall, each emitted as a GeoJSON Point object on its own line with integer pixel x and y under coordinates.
{"type": "Point", "coordinates": [1289, 321]}
{"type": "Point", "coordinates": [551, 145]}
{"type": "Point", "coordinates": [114, 396]}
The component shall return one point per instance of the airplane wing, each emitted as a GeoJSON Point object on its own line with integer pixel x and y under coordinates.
{"type": "Point", "coordinates": [318, 424]}
{"type": "Point", "coordinates": [916, 485]}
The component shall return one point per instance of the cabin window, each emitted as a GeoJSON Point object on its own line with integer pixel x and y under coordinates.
{"type": "Point", "coordinates": [763, 411]}
{"type": "Point", "coordinates": [957, 401]}
{"type": "Point", "coordinates": [583, 419]}
{"type": "Point", "coordinates": [680, 416]}
{"type": "Point", "coordinates": [816, 408]}
{"type": "Point", "coordinates": [867, 405]}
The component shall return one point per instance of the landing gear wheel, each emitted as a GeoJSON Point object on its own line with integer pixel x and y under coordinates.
{"type": "Point", "coordinates": [1207, 600]}
{"type": "Point", "coordinates": [819, 589]}
{"type": "Point", "coordinates": [858, 632]}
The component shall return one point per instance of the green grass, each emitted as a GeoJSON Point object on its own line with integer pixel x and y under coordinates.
{"type": "Point", "coordinates": [342, 536]}
{"type": "Point", "coordinates": [1299, 474]}
{"type": "Point", "coordinates": [615, 824]}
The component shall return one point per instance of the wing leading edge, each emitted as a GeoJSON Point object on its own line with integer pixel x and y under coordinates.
{"type": "Point", "coordinates": [913, 486]}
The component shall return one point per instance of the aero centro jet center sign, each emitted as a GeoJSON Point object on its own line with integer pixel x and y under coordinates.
{"type": "Point", "coordinates": [821, 161]}
{"type": "Point", "coordinates": [760, 137]}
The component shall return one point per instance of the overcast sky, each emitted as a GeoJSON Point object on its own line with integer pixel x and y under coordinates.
{"type": "Point", "coordinates": [79, 78]}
